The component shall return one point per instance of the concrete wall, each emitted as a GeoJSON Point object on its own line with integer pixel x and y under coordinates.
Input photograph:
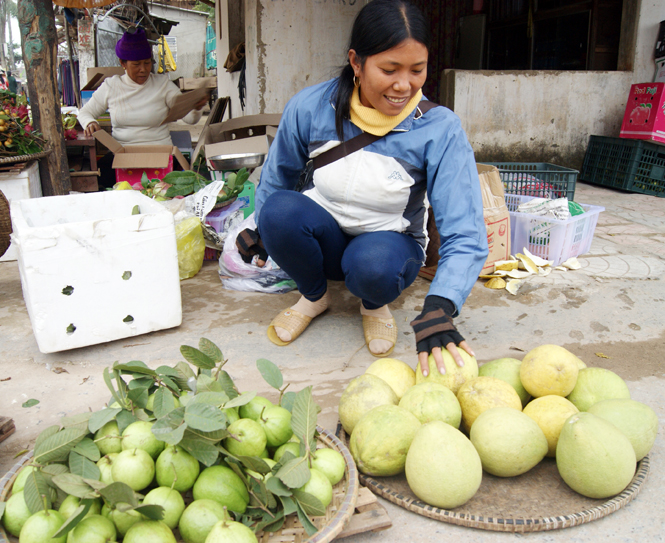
{"type": "Point", "coordinates": [540, 116]}
{"type": "Point", "coordinates": [190, 34]}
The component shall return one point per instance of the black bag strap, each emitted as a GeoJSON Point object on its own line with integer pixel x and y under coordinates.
{"type": "Point", "coordinates": [354, 144]}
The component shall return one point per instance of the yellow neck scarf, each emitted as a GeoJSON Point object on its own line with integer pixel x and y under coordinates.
{"type": "Point", "coordinates": [373, 121]}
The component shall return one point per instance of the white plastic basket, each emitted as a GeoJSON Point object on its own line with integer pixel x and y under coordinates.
{"type": "Point", "coordinates": [549, 238]}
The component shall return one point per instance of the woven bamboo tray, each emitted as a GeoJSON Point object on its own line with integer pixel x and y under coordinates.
{"type": "Point", "coordinates": [536, 501]}
{"type": "Point", "coordinates": [338, 514]}
{"type": "Point", "coordinates": [5, 224]}
{"type": "Point", "coordinates": [23, 158]}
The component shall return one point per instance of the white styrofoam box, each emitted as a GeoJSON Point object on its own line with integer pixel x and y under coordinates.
{"type": "Point", "coordinates": [93, 272]}
{"type": "Point", "coordinates": [552, 239]}
{"type": "Point", "coordinates": [18, 186]}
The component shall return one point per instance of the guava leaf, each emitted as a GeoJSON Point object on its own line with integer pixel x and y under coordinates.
{"type": "Point", "coordinates": [196, 357]}
{"type": "Point", "coordinates": [272, 525]}
{"type": "Point", "coordinates": [310, 504]}
{"type": "Point", "coordinates": [287, 400]}
{"type": "Point", "coordinates": [36, 492]}
{"type": "Point", "coordinates": [74, 485]}
{"type": "Point", "coordinates": [171, 427]}
{"type": "Point", "coordinates": [109, 383]}
{"type": "Point", "coordinates": [207, 418]}
{"type": "Point", "coordinates": [288, 503]}
{"type": "Point", "coordinates": [205, 383]}
{"type": "Point", "coordinates": [76, 517]}
{"type": "Point", "coordinates": [164, 402]}
{"type": "Point", "coordinates": [140, 382]}
{"type": "Point", "coordinates": [52, 470]}
{"type": "Point", "coordinates": [255, 464]}
{"type": "Point", "coordinates": [278, 488]}
{"type": "Point", "coordinates": [153, 512]}
{"type": "Point", "coordinates": [45, 434]}
{"type": "Point", "coordinates": [241, 400]}
{"type": "Point", "coordinates": [168, 370]}
{"type": "Point", "coordinates": [56, 447]}
{"type": "Point", "coordinates": [270, 373]}
{"type": "Point", "coordinates": [30, 402]}
{"type": "Point", "coordinates": [303, 415]}
{"type": "Point", "coordinates": [211, 398]}
{"type": "Point", "coordinates": [171, 383]}
{"type": "Point", "coordinates": [179, 190]}
{"type": "Point", "coordinates": [100, 418]}
{"type": "Point", "coordinates": [204, 451]}
{"type": "Point", "coordinates": [87, 447]}
{"type": "Point", "coordinates": [138, 397]}
{"type": "Point", "coordinates": [211, 350]}
{"type": "Point", "coordinates": [124, 419]}
{"type": "Point", "coordinates": [228, 386]}
{"type": "Point", "coordinates": [119, 493]}
{"type": "Point", "coordinates": [145, 181]}
{"type": "Point", "coordinates": [135, 366]}
{"type": "Point", "coordinates": [309, 526]}
{"type": "Point", "coordinates": [213, 437]}
{"type": "Point", "coordinates": [79, 420]}
{"type": "Point", "coordinates": [80, 465]}
{"type": "Point", "coordinates": [184, 370]}
{"type": "Point", "coordinates": [295, 473]}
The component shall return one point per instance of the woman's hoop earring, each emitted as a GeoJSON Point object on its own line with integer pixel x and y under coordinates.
{"type": "Point", "coordinates": [356, 82]}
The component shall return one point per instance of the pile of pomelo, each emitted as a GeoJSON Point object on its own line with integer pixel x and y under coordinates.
{"type": "Point", "coordinates": [177, 455]}
{"type": "Point", "coordinates": [503, 418]}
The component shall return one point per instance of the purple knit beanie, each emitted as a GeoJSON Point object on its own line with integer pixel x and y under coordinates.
{"type": "Point", "coordinates": [133, 46]}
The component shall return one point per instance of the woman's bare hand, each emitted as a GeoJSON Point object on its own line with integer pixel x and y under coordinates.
{"type": "Point", "coordinates": [92, 128]}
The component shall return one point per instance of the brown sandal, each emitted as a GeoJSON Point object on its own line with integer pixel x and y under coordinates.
{"type": "Point", "coordinates": [290, 320]}
{"type": "Point", "coordinates": [377, 328]}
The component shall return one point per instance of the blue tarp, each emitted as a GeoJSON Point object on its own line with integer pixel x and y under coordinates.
{"type": "Point", "coordinates": [211, 48]}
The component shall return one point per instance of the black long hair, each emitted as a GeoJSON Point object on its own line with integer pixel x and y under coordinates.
{"type": "Point", "coordinates": [379, 26]}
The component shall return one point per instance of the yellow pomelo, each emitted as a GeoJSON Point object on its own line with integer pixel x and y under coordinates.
{"type": "Point", "coordinates": [455, 376]}
{"type": "Point", "coordinates": [399, 375]}
{"type": "Point", "coordinates": [593, 456]}
{"type": "Point", "coordinates": [596, 384]}
{"type": "Point", "coordinates": [637, 421]}
{"type": "Point", "coordinates": [442, 466]}
{"type": "Point", "coordinates": [508, 370]}
{"type": "Point", "coordinates": [382, 438]}
{"type": "Point", "coordinates": [550, 413]}
{"type": "Point", "coordinates": [363, 394]}
{"type": "Point", "coordinates": [508, 442]}
{"type": "Point", "coordinates": [549, 369]}
{"type": "Point", "coordinates": [432, 401]}
{"type": "Point", "coordinates": [483, 393]}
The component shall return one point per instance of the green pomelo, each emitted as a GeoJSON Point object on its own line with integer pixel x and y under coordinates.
{"type": "Point", "coordinates": [549, 369]}
{"type": "Point", "coordinates": [508, 370]}
{"type": "Point", "coordinates": [107, 438]}
{"type": "Point", "coordinates": [93, 529]}
{"type": "Point", "coordinates": [175, 466]}
{"type": "Point", "coordinates": [593, 456]}
{"type": "Point", "coordinates": [331, 463]}
{"type": "Point", "coordinates": [138, 435]}
{"type": "Point", "coordinates": [223, 485]}
{"type": "Point", "coordinates": [149, 531]}
{"type": "Point", "coordinates": [432, 401]}
{"type": "Point", "coordinates": [170, 500]}
{"type": "Point", "coordinates": [41, 526]}
{"type": "Point", "coordinates": [381, 439]}
{"type": "Point", "coordinates": [455, 376]}
{"type": "Point", "coordinates": [399, 375]}
{"type": "Point", "coordinates": [198, 519]}
{"type": "Point", "coordinates": [363, 394]}
{"type": "Point", "coordinates": [508, 442]}
{"type": "Point", "coordinates": [229, 531]}
{"type": "Point", "coordinates": [70, 503]}
{"type": "Point", "coordinates": [252, 409]}
{"type": "Point", "coordinates": [597, 384]}
{"type": "Point", "coordinates": [442, 466]}
{"type": "Point", "coordinates": [637, 421]}
{"type": "Point", "coordinates": [16, 513]}
{"type": "Point", "coordinates": [124, 520]}
{"type": "Point", "coordinates": [318, 486]}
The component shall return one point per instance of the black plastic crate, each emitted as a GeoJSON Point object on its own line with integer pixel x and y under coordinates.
{"type": "Point", "coordinates": [626, 164]}
{"type": "Point", "coordinates": [537, 179]}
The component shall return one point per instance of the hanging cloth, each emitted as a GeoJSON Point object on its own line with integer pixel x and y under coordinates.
{"type": "Point", "coordinates": [165, 53]}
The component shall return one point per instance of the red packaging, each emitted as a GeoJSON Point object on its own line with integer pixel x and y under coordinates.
{"type": "Point", "coordinates": [644, 118]}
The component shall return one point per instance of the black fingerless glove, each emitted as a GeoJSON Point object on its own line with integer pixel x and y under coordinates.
{"type": "Point", "coordinates": [434, 326]}
{"type": "Point", "coordinates": [249, 244]}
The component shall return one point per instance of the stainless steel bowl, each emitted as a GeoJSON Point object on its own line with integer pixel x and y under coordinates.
{"type": "Point", "coordinates": [237, 161]}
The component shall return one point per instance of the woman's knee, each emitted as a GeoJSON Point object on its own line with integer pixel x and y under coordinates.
{"type": "Point", "coordinates": [278, 211]}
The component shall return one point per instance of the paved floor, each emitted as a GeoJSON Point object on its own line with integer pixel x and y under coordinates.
{"type": "Point", "coordinates": [609, 313]}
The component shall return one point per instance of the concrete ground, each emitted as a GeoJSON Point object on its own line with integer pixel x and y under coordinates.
{"type": "Point", "coordinates": [609, 313]}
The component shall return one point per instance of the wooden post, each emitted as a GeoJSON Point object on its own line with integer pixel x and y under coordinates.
{"type": "Point", "coordinates": [40, 44]}
{"type": "Point", "coordinates": [72, 73]}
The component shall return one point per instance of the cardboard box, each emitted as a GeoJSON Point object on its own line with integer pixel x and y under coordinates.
{"type": "Point", "coordinates": [660, 71]}
{"type": "Point", "coordinates": [249, 134]}
{"type": "Point", "coordinates": [20, 185]}
{"type": "Point", "coordinates": [97, 75]}
{"type": "Point", "coordinates": [497, 224]}
{"type": "Point", "coordinates": [130, 162]}
{"type": "Point", "coordinates": [92, 272]}
{"type": "Point", "coordinates": [191, 83]}
{"type": "Point", "coordinates": [644, 118]}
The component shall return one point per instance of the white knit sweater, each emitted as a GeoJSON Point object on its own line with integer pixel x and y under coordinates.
{"type": "Point", "coordinates": [137, 111]}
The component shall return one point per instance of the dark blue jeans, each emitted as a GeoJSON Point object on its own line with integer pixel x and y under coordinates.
{"type": "Point", "coordinates": [308, 244]}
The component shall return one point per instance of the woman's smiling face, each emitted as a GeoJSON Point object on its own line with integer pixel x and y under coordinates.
{"type": "Point", "coordinates": [388, 80]}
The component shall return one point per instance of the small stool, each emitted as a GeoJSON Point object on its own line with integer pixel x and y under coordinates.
{"type": "Point", "coordinates": [85, 181]}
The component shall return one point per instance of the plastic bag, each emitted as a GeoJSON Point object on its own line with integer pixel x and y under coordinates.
{"type": "Point", "coordinates": [238, 275]}
{"type": "Point", "coordinates": [191, 246]}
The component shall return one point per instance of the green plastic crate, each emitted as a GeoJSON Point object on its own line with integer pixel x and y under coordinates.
{"type": "Point", "coordinates": [626, 164]}
{"type": "Point", "coordinates": [538, 179]}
